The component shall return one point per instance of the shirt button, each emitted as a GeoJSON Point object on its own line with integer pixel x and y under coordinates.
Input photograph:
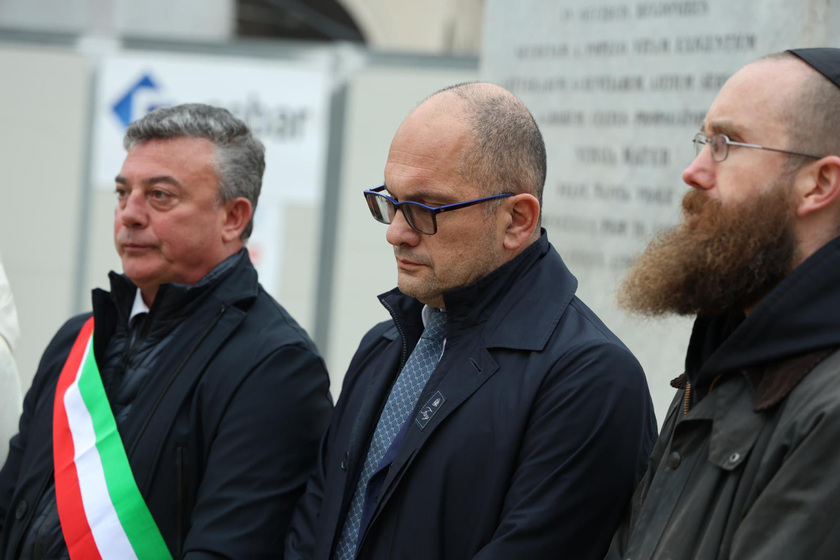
{"type": "Point", "coordinates": [674, 460]}
{"type": "Point", "coordinates": [20, 510]}
{"type": "Point", "coordinates": [734, 458]}
{"type": "Point", "coordinates": [344, 461]}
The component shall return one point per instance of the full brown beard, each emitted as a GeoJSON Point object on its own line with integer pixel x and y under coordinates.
{"type": "Point", "coordinates": [717, 259]}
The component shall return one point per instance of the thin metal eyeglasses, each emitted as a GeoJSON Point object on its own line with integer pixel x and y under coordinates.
{"type": "Point", "coordinates": [421, 217]}
{"type": "Point", "coordinates": [719, 146]}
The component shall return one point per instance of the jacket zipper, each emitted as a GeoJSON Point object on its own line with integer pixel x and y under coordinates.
{"type": "Point", "coordinates": [174, 376]}
{"type": "Point", "coordinates": [687, 398]}
{"type": "Point", "coordinates": [179, 502]}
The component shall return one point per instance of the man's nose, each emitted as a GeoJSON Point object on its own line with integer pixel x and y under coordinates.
{"type": "Point", "coordinates": [400, 233]}
{"type": "Point", "coordinates": [132, 212]}
{"type": "Point", "coordinates": [700, 174]}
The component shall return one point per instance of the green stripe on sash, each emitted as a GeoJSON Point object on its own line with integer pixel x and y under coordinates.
{"type": "Point", "coordinates": [131, 508]}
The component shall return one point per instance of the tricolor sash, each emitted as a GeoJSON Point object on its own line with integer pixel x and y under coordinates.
{"type": "Point", "coordinates": [102, 513]}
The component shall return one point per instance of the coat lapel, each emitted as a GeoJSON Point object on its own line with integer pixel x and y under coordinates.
{"type": "Point", "coordinates": [509, 318]}
{"type": "Point", "coordinates": [501, 311]}
{"type": "Point", "coordinates": [463, 378]}
{"type": "Point", "coordinates": [375, 394]}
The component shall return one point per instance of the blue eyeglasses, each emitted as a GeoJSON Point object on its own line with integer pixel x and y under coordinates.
{"type": "Point", "coordinates": [421, 217]}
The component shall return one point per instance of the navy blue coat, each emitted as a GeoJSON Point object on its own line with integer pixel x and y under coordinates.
{"type": "Point", "coordinates": [223, 433]}
{"type": "Point", "coordinates": [544, 429]}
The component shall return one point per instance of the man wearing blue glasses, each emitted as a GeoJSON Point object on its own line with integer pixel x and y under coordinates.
{"type": "Point", "coordinates": [494, 416]}
{"type": "Point", "coordinates": [746, 465]}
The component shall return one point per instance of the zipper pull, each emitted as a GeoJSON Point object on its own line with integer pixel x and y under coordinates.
{"type": "Point", "coordinates": [687, 398]}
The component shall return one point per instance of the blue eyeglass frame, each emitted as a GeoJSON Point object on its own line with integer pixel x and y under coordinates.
{"type": "Point", "coordinates": [372, 194]}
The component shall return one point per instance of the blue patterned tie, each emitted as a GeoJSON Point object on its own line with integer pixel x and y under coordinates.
{"type": "Point", "coordinates": [413, 377]}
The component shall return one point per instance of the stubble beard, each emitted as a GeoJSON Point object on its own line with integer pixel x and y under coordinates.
{"type": "Point", "coordinates": [422, 289]}
{"type": "Point", "coordinates": [453, 273]}
{"type": "Point", "coordinates": [717, 259]}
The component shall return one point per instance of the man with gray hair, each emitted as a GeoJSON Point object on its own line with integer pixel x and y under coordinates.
{"type": "Point", "coordinates": [181, 417]}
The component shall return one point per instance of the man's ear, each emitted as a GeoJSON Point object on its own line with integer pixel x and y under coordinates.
{"type": "Point", "coordinates": [523, 215]}
{"type": "Point", "coordinates": [819, 187]}
{"type": "Point", "coordinates": [238, 213]}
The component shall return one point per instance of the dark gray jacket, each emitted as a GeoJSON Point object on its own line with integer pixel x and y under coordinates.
{"type": "Point", "coordinates": [750, 469]}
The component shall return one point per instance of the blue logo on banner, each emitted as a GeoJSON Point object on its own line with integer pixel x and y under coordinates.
{"type": "Point", "coordinates": [124, 107]}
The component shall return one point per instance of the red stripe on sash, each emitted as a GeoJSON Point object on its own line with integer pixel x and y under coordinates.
{"type": "Point", "coordinates": [68, 495]}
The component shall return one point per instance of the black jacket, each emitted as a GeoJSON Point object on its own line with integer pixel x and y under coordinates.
{"type": "Point", "coordinates": [220, 399]}
{"type": "Point", "coordinates": [749, 471]}
{"type": "Point", "coordinates": [545, 428]}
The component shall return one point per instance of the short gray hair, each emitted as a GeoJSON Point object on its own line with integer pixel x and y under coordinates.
{"type": "Point", "coordinates": [508, 154]}
{"type": "Point", "coordinates": [240, 157]}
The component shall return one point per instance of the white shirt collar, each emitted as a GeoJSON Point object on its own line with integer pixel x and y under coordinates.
{"type": "Point", "coordinates": [139, 306]}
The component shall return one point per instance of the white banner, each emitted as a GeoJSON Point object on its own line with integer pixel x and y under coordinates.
{"type": "Point", "coordinates": [285, 104]}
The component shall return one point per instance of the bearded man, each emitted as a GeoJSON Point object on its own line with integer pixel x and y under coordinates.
{"type": "Point", "coordinates": [746, 464]}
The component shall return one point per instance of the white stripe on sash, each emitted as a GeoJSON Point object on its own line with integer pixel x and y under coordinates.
{"type": "Point", "coordinates": [105, 526]}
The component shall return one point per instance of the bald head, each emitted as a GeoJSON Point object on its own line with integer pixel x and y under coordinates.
{"type": "Point", "coordinates": [812, 113]}
{"type": "Point", "coordinates": [505, 150]}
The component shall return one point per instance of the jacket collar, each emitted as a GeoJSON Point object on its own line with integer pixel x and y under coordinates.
{"type": "Point", "coordinates": [783, 338]}
{"type": "Point", "coordinates": [233, 281]}
{"type": "Point", "coordinates": [772, 385]}
{"type": "Point", "coordinates": [506, 299]}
